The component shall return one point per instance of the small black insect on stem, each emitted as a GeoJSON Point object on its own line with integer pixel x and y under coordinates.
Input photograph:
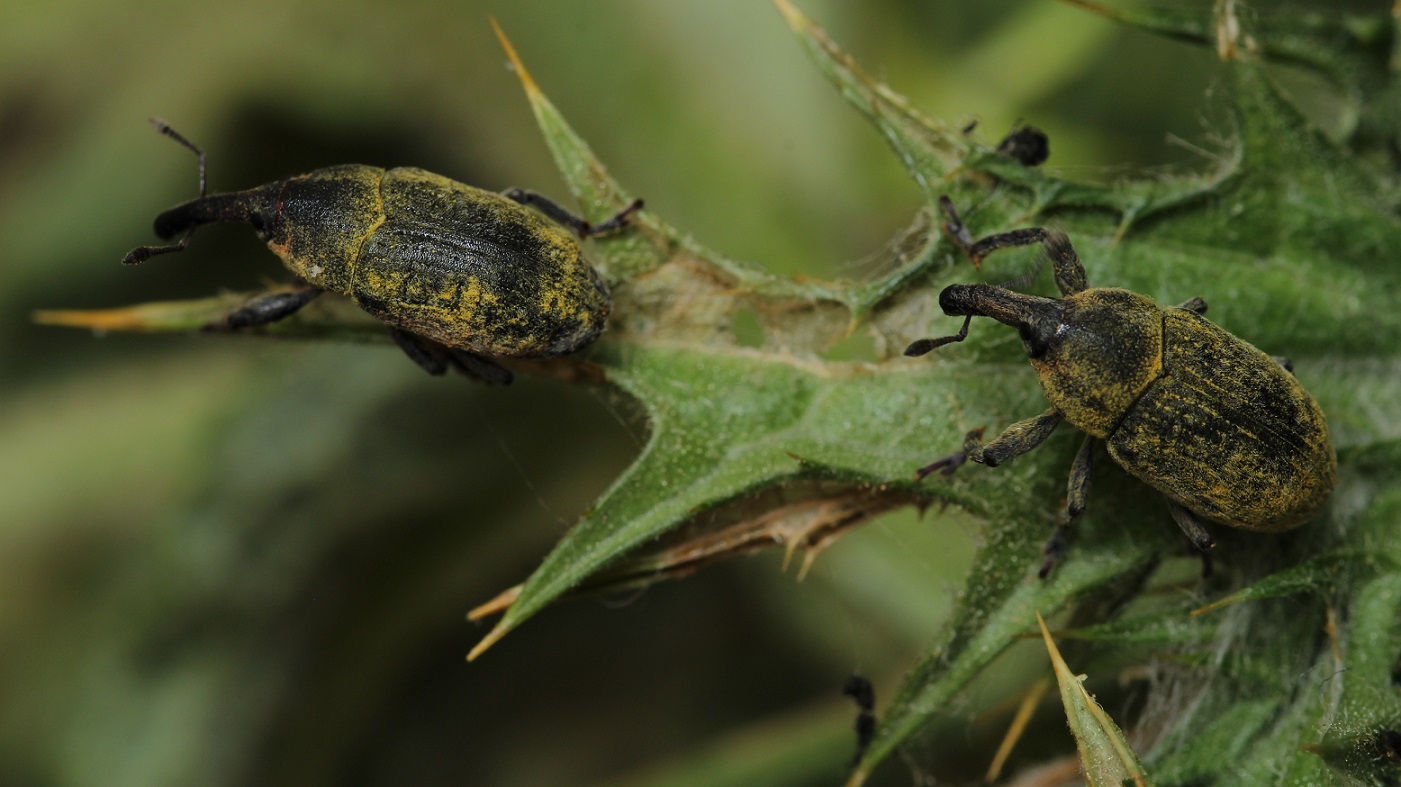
{"type": "Point", "coordinates": [859, 688]}
{"type": "Point", "coordinates": [1027, 145]}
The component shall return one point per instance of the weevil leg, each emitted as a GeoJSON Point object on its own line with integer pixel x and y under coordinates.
{"type": "Point", "coordinates": [946, 465]}
{"type": "Point", "coordinates": [1193, 305]}
{"type": "Point", "coordinates": [419, 351]}
{"type": "Point", "coordinates": [435, 358]}
{"type": "Point", "coordinates": [1077, 490]}
{"type": "Point", "coordinates": [271, 308]}
{"type": "Point", "coordinates": [1192, 525]}
{"type": "Point", "coordinates": [479, 367]}
{"type": "Point", "coordinates": [563, 216]}
{"type": "Point", "coordinates": [617, 222]}
{"type": "Point", "coordinates": [863, 693]}
{"type": "Point", "coordinates": [1069, 272]}
{"type": "Point", "coordinates": [1285, 362]}
{"type": "Point", "coordinates": [1054, 550]}
{"type": "Point", "coordinates": [922, 346]}
{"type": "Point", "coordinates": [1018, 438]}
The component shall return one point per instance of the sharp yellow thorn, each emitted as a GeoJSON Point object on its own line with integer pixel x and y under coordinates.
{"type": "Point", "coordinates": [1017, 727]}
{"type": "Point", "coordinates": [792, 15]}
{"type": "Point", "coordinates": [1056, 660]}
{"type": "Point", "coordinates": [489, 640]}
{"type": "Point", "coordinates": [1215, 605]}
{"type": "Point", "coordinates": [501, 603]}
{"type": "Point", "coordinates": [790, 545]}
{"type": "Point", "coordinates": [531, 89]}
{"type": "Point", "coordinates": [69, 319]}
{"type": "Point", "coordinates": [121, 319]}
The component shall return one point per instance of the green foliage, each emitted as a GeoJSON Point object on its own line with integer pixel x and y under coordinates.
{"type": "Point", "coordinates": [753, 421]}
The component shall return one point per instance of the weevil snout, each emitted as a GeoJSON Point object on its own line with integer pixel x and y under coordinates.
{"type": "Point", "coordinates": [1035, 318]}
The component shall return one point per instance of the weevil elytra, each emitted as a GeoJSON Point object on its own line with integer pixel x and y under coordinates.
{"type": "Point", "coordinates": [1221, 429]}
{"type": "Point", "coordinates": [458, 274]}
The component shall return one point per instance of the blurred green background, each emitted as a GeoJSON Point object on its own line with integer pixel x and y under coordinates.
{"type": "Point", "coordinates": [228, 561]}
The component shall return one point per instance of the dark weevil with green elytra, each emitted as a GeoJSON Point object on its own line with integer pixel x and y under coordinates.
{"type": "Point", "coordinates": [459, 275]}
{"type": "Point", "coordinates": [1223, 430]}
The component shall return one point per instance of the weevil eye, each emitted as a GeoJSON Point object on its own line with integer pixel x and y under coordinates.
{"type": "Point", "coordinates": [259, 225]}
{"type": "Point", "coordinates": [1035, 345]}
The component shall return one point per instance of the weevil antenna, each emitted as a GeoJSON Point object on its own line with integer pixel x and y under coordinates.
{"type": "Point", "coordinates": [142, 253]}
{"type": "Point", "coordinates": [923, 346]}
{"type": "Point", "coordinates": [164, 128]}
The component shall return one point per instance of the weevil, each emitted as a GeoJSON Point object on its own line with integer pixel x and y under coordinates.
{"type": "Point", "coordinates": [459, 275]}
{"type": "Point", "coordinates": [1027, 145]}
{"type": "Point", "coordinates": [1222, 430]}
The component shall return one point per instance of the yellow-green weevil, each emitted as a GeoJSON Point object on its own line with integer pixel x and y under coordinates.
{"type": "Point", "coordinates": [1223, 430]}
{"type": "Point", "coordinates": [459, 275]}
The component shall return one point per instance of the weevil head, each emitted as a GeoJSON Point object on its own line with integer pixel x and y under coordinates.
{"type": "Point", "coordinates": [1035, 318]}
{"type": "Point", "coordinates": [1094, 351]}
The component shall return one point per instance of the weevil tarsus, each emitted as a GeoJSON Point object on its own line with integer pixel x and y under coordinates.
{"type": "Point", "coordinates": [1054, 550]}
{"type": "Point", "coordinates": [271, 307]}
{"type": "Point", "coordinates": [617, 222]}
{"type": "Point", "coordinates": [561, 215]}
{"type": "Point", "coordinates": [955, 229]}
{"type": "Point", "coordinates": [1194, 305]}
{"type": "Point", "coordinates": [947, 465]}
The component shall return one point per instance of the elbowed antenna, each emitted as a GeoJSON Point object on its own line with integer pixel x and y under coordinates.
{"type": "Point", "coordinates": [188, 216]}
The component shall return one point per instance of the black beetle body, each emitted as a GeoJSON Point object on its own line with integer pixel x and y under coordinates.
{"type": "Point", "coordinates": [465, 267]}
{"type": "Point", "coordinates": [1223, 430]}
{"type": "Point", "coordinates": [473, 272]}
